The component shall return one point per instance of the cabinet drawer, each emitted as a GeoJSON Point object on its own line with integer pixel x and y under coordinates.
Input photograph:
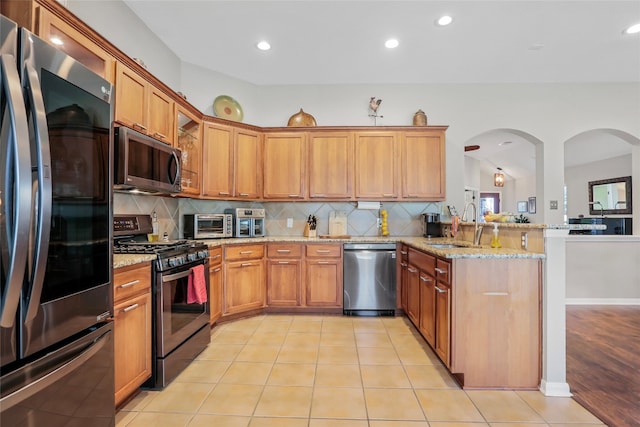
{"type": "Point", "coordinates": [284, 250]}
{"type": "Point", "coordinates": [238, 253]}
{"type": "Point", "coordinates": [324, 251]}
{"type": "Point", "coordinates": [443, 271]}
{"type": "Point", "coordinates": [132, 280]}
{"type": "Point", "coordinates": [215, 255]}
{"type": "Point", "coordinates": [423, 261]}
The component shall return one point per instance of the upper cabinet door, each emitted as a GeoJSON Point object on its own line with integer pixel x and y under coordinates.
{"type": "Point", "coordinates": [131, 98]}
{"type": "Point", "coordinates": [284, 165]}
{"type": "Point", "coordinates": [423, 165]}
{"type": "Point", "coordinates": [161, 115]}
{"type": "Point", "coordinates": [189, 141]}
{"type": "Point", "coordinates": [217, 146]}
{"type": "Point", "coordinates": [376, 165]}
{"type": "Point", "coordinates": [331, 165]}
{"type": "Point", "coordinates": [75, 44]}
{"type": "Point", "coordinates": [248, 164]}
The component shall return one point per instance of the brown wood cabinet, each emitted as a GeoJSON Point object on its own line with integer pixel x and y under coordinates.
{"type": "Point", "coordinates": [285, 156]}
{"type": "Point", "coordinates": [216, 291]}
{"type": "Point", "coordinates": [480, 315]}
{"type": "Point", "coordinates": [496, 322]}
{"type": "Point", "coordinates": [284, 275]}
{"type": "Point", "coordinates": [376, 165]}
{"type": "Point", "coordinates": [403, 264]}
{"type": "Point", "coordinates": [244, 278]}
{"type": "Point", "coordinates": [232, 161]}
{"type": "Point", "coordinates": [70, 35]}
{"type": "Point", "coordinates": [330, 165]}
{"type": "Point", "coordinates": [423, 165]}
{"type": "Point", "coordinates": [413, 294]}
{"type": "Point", "coordinates": [132, 329]}
{"type": "Point", "coordinates": [323, 275]}
{"type": "Point", "coordinates": [189, 141]}
{"type": "Point", "coordinates": [141, 106]}
{"type": "Point", "coordinates": [442, 310]}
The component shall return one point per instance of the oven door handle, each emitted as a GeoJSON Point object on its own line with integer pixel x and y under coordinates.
{"type": "Point", "coordinates": [176, 276]}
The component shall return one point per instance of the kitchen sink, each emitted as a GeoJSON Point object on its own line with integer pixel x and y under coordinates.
{"type": "Point", "coordinates": [446, 245]}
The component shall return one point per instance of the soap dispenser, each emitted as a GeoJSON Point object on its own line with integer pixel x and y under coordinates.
{"type": "Point", "coordinates": [495, 240]}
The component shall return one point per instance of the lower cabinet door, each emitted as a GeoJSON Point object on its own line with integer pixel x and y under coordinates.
{"type": "Point", "coordinates": [216, 292]}
{"type": "Point", "coordinates": [428, 308]}
{"type": "Point", "coordinates": [443, 322]}
{"type": "Point", "coordinates": [324, 283]}
{"type": "Point", "coordinates": [132, 345]}
{"type": "Point", "coordinates": [413, 295]}
{"type": "Point", "coordinates": [283, 283]}
{"type": "Point", "coordinates": [244, 286]}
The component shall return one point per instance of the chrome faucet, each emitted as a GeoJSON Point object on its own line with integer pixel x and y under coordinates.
{"type": "Point", "coordinates": [477, 231]}
{"type": "Point", "coordinates": [601, 208]}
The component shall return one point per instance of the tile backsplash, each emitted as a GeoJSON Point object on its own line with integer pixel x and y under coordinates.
{"type": "Point", "coordinates": [403, 219]}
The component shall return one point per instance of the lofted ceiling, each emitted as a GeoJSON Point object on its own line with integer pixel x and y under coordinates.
{"type": "Point", "coordinates": [342, 42]}
{"type": "Point", "coordinates": [316, 42]}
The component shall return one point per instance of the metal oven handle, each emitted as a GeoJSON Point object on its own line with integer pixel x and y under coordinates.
{"type": "Point", "coordinates": [176, 276]}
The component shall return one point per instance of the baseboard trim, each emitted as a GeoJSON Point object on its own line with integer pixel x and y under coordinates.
{"type": "Point", "coordinates": [555, 389]}
{"type": "Point", "coordinates": [602, 301]}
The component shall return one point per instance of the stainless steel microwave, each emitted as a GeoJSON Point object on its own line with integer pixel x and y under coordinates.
{"type": "Point", "coordinates": [144, 164]}
{"type": "Point", "coordinates": [207, 226]}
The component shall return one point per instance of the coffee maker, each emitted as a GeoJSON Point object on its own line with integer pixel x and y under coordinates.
{"type": "Point", "coordinates": [431, 225]}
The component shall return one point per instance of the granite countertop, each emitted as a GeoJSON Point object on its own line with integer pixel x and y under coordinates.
{"type": "Point", "coordinates": [465, 249]}
{"type": "Point", "coordinates": [534, 226]}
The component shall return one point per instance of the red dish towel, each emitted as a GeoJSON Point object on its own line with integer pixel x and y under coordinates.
{"type": "Point", "coordinates": [196, 286]}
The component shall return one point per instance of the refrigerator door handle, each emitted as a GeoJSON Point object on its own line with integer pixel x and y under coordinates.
{"type": "Point", "coordinates": [41, 190]}
{"type": "Point", "coordinates": [15, 179]}
{"type": "Point", "coordinates": [34, 386]}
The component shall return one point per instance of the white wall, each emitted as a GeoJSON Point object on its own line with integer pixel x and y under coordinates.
{"type": "Point", "coordinates": [552, 113]}
{"type": "Point", "coordinates": [603, 270]}
{"type": "Point", "coordinates": [576, 179]}
{"type": "Point", "coordinates": [118, 24]}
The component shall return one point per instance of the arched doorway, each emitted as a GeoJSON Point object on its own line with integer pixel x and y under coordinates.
{"type": "Point", "coordinates": [513, 153]}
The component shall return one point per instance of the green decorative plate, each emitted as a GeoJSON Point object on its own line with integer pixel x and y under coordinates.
{"type": "Point", "coordinates": [228, 108]}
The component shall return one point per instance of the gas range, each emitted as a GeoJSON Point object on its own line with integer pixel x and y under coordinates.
{"type": "Point", "coordinates": [130, 237]}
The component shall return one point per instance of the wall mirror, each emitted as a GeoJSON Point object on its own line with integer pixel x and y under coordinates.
{"type": "Point", "coordinates": [610, 196]}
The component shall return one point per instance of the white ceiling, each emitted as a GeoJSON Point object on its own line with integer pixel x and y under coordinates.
{"type": "Point", "coordinates": [341, 42]}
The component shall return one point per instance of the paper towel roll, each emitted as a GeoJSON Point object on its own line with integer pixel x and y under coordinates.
{"type": "Point", "coordinates": [369, 205]}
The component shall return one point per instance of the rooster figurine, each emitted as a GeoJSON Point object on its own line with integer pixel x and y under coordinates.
{"type": "Point", "coordinates": [374, 104]}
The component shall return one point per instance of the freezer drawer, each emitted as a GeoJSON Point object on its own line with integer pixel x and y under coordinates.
{"type": "Point", "coordinates": [72, 385]}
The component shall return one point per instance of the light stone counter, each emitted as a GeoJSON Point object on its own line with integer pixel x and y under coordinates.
{"type": "Point", "coordinates": [465, 251]}
{"type": "Point", "coordinates": [123, 260]}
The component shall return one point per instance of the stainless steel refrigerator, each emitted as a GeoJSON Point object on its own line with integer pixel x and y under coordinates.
{"type": "Point", "coordinates": [56, 333]}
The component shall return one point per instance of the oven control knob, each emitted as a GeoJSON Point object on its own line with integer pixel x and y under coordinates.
{"type": "Point", "coordinates": [203, 254]}
{"type": "Point", "coordinates": [192, 257]}
{"type": "Point", "coordinates": [172, 262]}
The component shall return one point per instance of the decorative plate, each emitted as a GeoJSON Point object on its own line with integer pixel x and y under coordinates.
{"type": "Point", "coordinates": [228, 108]}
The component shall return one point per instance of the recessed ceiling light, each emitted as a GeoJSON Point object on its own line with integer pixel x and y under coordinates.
{"type": "Point", "coordinates": [391, 43]}
{"type": "Point", "coordinates": [444, 20]}
{"type": "Point", "coordinates": [263, 45]}
{"type": "Point", "coordinates": [634, 29]}
{"type": "Point", "coordinates": [56, 40]}
{"type": "Point", "coordinates": [505, 143]}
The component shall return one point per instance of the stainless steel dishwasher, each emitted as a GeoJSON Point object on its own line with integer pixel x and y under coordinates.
{"type": "Point", "coordinates": [369, 279]}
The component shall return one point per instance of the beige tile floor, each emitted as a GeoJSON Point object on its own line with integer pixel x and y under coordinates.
{"type": "Point", "coordinates": [333, 371]}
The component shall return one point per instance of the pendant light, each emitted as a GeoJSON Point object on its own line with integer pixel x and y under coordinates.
{"type": "Point", "coordinates": [498, 178]}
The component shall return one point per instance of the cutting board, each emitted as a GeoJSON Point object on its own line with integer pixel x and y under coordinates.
{"type": "Point", "coordinates": [337, 223]}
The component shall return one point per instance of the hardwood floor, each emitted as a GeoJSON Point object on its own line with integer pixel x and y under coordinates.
{"type": "Point", "coordinates": [603, 361]}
